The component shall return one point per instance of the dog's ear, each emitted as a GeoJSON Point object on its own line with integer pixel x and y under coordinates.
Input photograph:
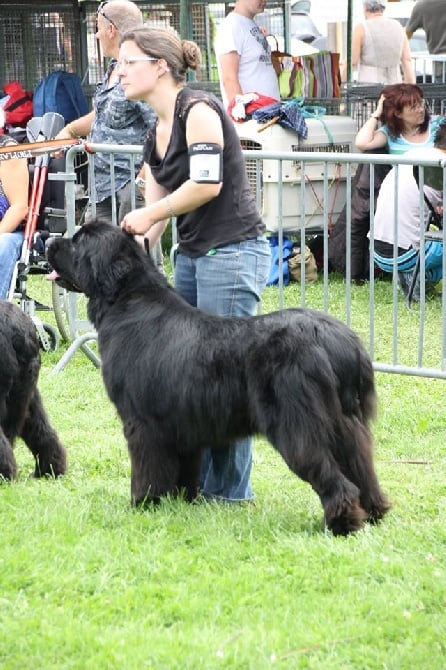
{"type": "Point", "coordinates": [118, 264]}
{"type": "Point", "coordinates": [102, 261]}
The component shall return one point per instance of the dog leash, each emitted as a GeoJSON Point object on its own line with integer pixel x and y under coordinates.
{"type": "Point", "coordinates": [30, 149]}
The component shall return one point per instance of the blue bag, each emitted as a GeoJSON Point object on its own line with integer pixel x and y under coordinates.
{"type": "Point", "coordinates": [60, 92]}
{"type": "Point", "coordinates": [287, 246]}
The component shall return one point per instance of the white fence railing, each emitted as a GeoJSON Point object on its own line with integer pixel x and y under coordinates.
{"type": "Point", "coordinates": [388, 322]}
{"type": "Point", "coordinates": [430, 68]}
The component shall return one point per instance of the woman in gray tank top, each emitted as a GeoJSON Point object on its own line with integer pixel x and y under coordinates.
{"type": "Point", "coordinates": [380, 49]}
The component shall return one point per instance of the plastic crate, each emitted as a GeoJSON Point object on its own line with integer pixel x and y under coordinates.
{"type": "Point", "coordinates": [342, 132]}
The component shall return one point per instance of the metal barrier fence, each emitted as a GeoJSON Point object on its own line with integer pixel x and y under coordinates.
{"type": "Point", "coordinates": [430, 67]}
{"type": "Point", "coordinates": [384, 328]}
{"type": "Point", "coordinates": [360, 100]}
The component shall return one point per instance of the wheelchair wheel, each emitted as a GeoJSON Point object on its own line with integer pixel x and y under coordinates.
{"type": "Point", "coordinates": [48, 337]}
{"type": "Point", "coordinates": [59, 298]}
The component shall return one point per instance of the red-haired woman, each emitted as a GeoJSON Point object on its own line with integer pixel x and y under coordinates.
{"type": "Point", "coordinates": [405, 118]}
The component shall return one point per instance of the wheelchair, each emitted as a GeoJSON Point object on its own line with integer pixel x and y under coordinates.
{"type": "Point", "coordinates": [46, 218]}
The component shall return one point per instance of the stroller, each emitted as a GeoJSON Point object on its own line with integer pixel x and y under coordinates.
{"type": "Point", "coordinates": [46, 217]}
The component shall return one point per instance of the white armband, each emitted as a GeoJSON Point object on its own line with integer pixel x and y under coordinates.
{"type": "Point", "coordinates": [206, 163]}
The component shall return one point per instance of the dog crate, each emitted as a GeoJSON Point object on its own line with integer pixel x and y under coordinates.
{"type": "Point", "coordinates": [38, 36]}
{"type": "Point", "coordinates": [334, 134]}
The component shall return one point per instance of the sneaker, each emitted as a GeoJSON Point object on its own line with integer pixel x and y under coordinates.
{"type": "Point", "coordinates": [431, 289]}
{"type": "Point", "coordinates": [405, 282]}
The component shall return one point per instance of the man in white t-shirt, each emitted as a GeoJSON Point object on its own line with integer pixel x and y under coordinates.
{"type": "Point", "coordinates": [244, 55]}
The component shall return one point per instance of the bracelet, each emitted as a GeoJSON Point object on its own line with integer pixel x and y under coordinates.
{"type": "Point", "coordinates": [170, 211]}
{"type": "Point", "coordinates": [72, 132]}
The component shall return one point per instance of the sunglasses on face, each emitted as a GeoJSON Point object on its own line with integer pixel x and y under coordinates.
{"type": "Point", "coordinates": [101, 12]}
{"type": "Point", "coordinates": [123, 64]}
{"type": "Point", "coordinates": [421, 104]}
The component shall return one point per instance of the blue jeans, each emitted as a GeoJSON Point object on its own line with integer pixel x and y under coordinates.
{"type": "Point", "coordinates": [10, 249]}
{"type": "Point", "coordinates": [228, 282]}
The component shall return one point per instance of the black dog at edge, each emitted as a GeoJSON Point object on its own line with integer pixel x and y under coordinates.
{"type": "Point", "coordinates": [183, 380]}
{"type": "Point", "coordinates": [21, 410]}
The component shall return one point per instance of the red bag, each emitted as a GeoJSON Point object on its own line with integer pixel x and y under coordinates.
{"type": "Point", "coordinates": [19, 108]}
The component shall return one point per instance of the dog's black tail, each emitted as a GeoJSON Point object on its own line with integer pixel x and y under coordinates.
{"type": "Point", "coordinates": [355, 379]}
{"type": "Point", "coordinates": [366, 386]}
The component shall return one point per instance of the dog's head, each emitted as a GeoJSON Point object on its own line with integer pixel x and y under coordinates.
{"type": "Point", "coordinates": [100, 260]}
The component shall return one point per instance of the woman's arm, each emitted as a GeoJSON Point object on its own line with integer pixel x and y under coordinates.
{"type": "Point", "coordinates": [357, 40]}
{"type": "Point", "coordinates": [14, 176]}
{"type": "Point", "coordinates": [369, 135]}
{"type": "Point", "coordinates": [407, 64]}
{"type": "Point", "coordinates": [203, 126]}
{"type": "Point", "coordinates": [153, 193]}
{"type": "Point", "coordinates": [139, 220]}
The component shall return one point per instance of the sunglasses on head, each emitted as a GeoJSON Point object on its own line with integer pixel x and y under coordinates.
{"type": "Point", "coordinates": [101, 11]}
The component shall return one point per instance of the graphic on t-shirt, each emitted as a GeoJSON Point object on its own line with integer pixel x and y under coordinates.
{"type": "Point", "coordinates": [265, 57]}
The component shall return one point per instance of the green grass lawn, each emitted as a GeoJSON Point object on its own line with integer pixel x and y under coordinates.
{"type": "Point", "coordinates": [88, 583]}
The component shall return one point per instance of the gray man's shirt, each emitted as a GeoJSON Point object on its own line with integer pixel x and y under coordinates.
{"type": "Point", "coordinates": [117, 121]}
{"type": "Point", "coordinates": [431, 16]}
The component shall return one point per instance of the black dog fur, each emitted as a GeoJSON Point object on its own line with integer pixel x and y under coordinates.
{"type": "Point", "coordinates": [21, 410]}
{"type": "Point", "coordinates": [183, 379]}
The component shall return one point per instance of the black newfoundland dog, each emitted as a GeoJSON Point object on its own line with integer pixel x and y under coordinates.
{"type": "Point", "coordinates": [183, 380]}
{"type": "Point", "coordinates": [21, 410]}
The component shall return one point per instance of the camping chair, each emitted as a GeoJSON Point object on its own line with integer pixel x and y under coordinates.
{"type": "Point", "coordinates": [433, 177]}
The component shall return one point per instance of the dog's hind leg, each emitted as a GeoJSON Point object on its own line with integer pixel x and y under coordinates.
{"type": "Point", "coordinates": [355, 458]}
{"type": "Point", "coordinates": [340, 498]}
{"type": "Point", "coordinates": [42, 440]}
{"type": "Point", "coordinates": [308, 454]}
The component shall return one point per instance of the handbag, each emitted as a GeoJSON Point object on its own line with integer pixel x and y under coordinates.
{"type": "Point", "coordinates": [314, 76]}
{"type": "Point", "coordinates": [277, 55]}
{"type": "Point", "coordinates": [295, 81]}
{"type": "Point", "coordinates": [295, 264]}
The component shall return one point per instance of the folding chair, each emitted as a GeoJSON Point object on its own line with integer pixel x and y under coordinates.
{"type": "Point", "coordinates": [433, 177]}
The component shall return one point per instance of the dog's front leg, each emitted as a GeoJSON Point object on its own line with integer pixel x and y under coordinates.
{"type": "Point", "coordinates": [8, 465]}
{"type": "Point", "coordinates": [190, 465]}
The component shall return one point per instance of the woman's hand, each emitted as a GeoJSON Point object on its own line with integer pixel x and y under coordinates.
{"type": "Point", "coordinates": [138, 222]}
{"type": "Point", "coordinates": [370, 136]}
{"type": "Point", "coordinates": [380, 106]}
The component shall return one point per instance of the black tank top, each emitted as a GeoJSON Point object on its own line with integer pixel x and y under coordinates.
{"type": "Point", "coordinates": [230, 217]}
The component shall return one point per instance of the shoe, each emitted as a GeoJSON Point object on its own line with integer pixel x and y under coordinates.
{"type": "Point", "coordinates": [405, 282]}
{"type": "Point", "coordinates": [431, 289]}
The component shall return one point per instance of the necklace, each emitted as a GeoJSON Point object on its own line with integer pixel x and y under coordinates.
{"type": "Point", "coordinates": [411, 133]}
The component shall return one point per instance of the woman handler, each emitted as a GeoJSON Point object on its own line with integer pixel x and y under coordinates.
{"type": "Point", "coordinates": [195, 172]}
